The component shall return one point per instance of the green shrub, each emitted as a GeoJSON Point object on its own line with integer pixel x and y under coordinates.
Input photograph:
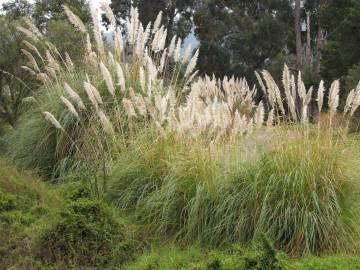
{"type": "Point", "coordinates": [85, 234]}
{"type": "Point", "coordinates": [24, 201]}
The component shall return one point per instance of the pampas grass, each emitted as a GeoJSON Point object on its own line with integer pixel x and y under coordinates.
{"type": "Point", "coordinates": [52, 120]}
{"type": "Point", "coordinates": [74, 97]}
{"type": "Point", "coordinates": [70, 107]}
{"type": "Point", "coordinates": [193, 157]}
{"type": "Point", "coordinates": [108, 79]}
{"type": "Point", "coordinates": [31, 60]}
{"type": "Point", "coordinates": [75, 20]}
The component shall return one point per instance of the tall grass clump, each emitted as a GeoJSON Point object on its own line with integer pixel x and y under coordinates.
{"type": "Point", "coordinates": [196, 158]}
{"type": "Point", "coordinates": [301, 191]}
{"type": "Point", "coordinates": [308, 194]}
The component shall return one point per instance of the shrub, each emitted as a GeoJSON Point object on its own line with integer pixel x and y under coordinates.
{"type": "Point", "coordinates": [24, 200]}
{"type": "Point", "coordinates": [85, 234]}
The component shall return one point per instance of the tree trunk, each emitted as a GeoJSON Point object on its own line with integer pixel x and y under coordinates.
{"type": "Point", "coordinates": [298, 34]}
{"type": "Point", "coordinates": [308, 41]}
{"type": "Point", "coordinates": [170, 26]}
{"type": "Point", "coordinates": [320, 39]}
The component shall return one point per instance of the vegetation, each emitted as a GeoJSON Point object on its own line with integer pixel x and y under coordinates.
{"type": "Point", "coordinates": [147, 165]}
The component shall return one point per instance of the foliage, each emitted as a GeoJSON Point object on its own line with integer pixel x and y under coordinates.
{"type": "Point", "coordinates": [24, 200]}
{"type": "Point", "coordinates": [64, 36]}
{"type": "Point", "coordinates": [177, 15]}
{"type": "Point", "coordinates": [86, 234]}
{"type": "Point", "coordinates": [235, 258]}
{"type": "Point", "coordinates": [353, 77]}
{"type": "Point", "coordinates": [43, 226]}
{"type": "Point", "coordinates": [47, 10]}
{"type": "Point", "coordinates": [242, 36]}
{"type": "Point", "coordinates": [341, 19]}
{"type": "Point", "coordinates": [17, 8]}
{"type": "Point", "coordinates": [15, 83]}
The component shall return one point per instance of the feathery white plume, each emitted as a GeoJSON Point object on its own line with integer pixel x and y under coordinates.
{"type": "Point", "coordinates": [105, 123]}
{"type": "Point", "coordinates": [33, 48]}
{"type": "Point", "coordinates": [31, 60]}
{"type": "Point", "coordinates": [270, 120]}
{"type": "Point", "coordinates": [108, 79]}
{"type": "Point", "coordinates": [121, 77]}
{"type": "Point", "coordinates": [192, 64]}
{"type": "Point", "coordinates": [27, 33]}
{"type": "Point", "coordinates": [75, 20]}
{"type": "Point", "coordinates": [349, 101]}
{"type": "Point", "coordinates": [108, 13]}
{"type": "Point", "coordinates": [96, 30]}
{"type": "Point", "coordinates": [157, 22]}
{"type": "Point", "coordinates": [129, 108]}
{"type": "Point", "coordinates": [334, 97]}
{"type": "Point", "coordinates": [52, 120]}
{"type": "Point", "coordinates": [259, 116]}
{"type": "Point", "coordinates": [43, 77]}
{"type": "Point", "coordinates": [74, 97]}
{"type": "Point", "coordinates": [142, 79]}
{"type": "Point", "coordinates": [320, 97]}
{"type": "Point", "coordinates": [70, 106]}
{"type": "Point", "coordinates": [177, 51]}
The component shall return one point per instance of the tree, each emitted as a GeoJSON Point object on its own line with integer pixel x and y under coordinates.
{"type": "Point", "coordinates": [177, 14]}
{"type": "Point", "coordinates": [15, 83]}
{"type": "Point", "coordinates": [50, 10]}
{"type": "Point", "coordinates": [249, 34]}
{"type": "Point", "coordinates": [63, 35]}
{"type": "Point", "coordinates": [18, 8]}
{"type": "Point", "coordinates": [340, 19]}
{"type": "Point", "coordinates": [50, 17]}
{"type": "Point", "coordinates": [298, 33]}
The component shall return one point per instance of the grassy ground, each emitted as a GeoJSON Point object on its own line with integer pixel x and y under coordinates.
{"type": "Point", "coordinates": [66, 226]}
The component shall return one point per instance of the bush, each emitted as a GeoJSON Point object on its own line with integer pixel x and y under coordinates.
{"type": "Point", "coordinates": [85, 234]}
{"type": "Point", "coordinates": [24, 200]}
